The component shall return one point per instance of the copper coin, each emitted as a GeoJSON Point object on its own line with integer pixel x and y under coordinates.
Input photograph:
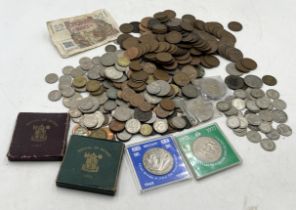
{"type": "Point", "coordinates": [235, 26]}
{"type": "Point", "coordinates": [173, 37]}
{"type": "Point", "coordinates": [269, 80]}
{"type": "Point", "coordinates": [249, 63]}
{"type": "Point", "coordinates": [161, 75]}
{"type": "Point", "coordinates": [161, 113]}
{"type": "Point", "coordinates": [126, 28]}
{"type": "Point", "coordinates": [212, 61]}
{"type": "Point", "coordinates": [167, 104]}
{"type": "Point", "coordinates": [116, 126]}
{"type": "Point", "coordinates": [164, 57]}
{"type": "Point", "coordinates": [145, 106]}
{"type": "Point", "coordinates": [139, 76]}
{"type": "Point", "coordinates": [130, 42]}
{"type": "Point", "coordinates": [181, 79]}
{"type": "Point", "coordinates": [132, 52]}
{"type": "Point", "coordinates": [136, 100]}
{"type": "Point", "coordinates": [135, 65]}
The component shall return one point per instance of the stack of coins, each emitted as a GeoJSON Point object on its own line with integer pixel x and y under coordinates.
{"type": "Point", "coordinates": [252, 112]}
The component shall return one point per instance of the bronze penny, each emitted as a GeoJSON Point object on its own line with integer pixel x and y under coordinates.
{"type": "Point", "coordinates": [161, 75]}
{"type": "Point", "coordinates": [269, 80]}
{"type": "Point", "coordinates": [190, 71]}
{"type": "Point", "coordinates": [181, 79]}
{"type": "Point", "coordinates": [235, 26]}
{"type": "Point", "coordinates": [135, 65]}
{"type": "Point", "coordinates": [249, 63]}
{"type": "Point", "coordinates": [130, 42]}
{"type": "Point", "coordinates": [173, 37]}
{"type": "Point", "coordinates": [167, 104]}
{"type": "Point", "coordinates": [161, 113]}
{"type": "Point", "coordinates": [126, 28]}
{"type": "Point", "coordinates": [211, 61]}
{"type": "Point", "coordinates": [116, 126]}
{"type": "Point", "coordinates": [164, 57]}
{"type": "Point", "coordinates": [139, 76]}
{"type": "Point", "coordinates": [145, 106]}
{"type": "Point", "coordinates": [241, 68]}
{"type": "Point", "coordinates": [136, 100]}
{"type": "Point", "coordinates": [132, 52]}
{"type": "Point", "coordinates": [149, 68]}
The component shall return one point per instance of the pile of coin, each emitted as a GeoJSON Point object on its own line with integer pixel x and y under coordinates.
{"type": "Point", "coordinates": [252, 112]}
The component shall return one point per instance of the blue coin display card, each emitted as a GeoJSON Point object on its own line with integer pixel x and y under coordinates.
{"type": "Point", "coordinates": [157, 162]}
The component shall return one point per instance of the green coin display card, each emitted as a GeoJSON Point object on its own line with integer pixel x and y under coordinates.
{"type": "Point", "coordinates": [207, 150]}
{"type": "Point", "coordinates": [91, 165]}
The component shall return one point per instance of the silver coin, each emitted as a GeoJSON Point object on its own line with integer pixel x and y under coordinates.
{"type": "Point", "coordinates": [223, 106]}
{"type": "Point", "coordinates": [273, 134]}
{"type": "Point", "coordinates": [110, 105]}
{"type": "Point", "coordinates": [268, 145]}
{"type": "Point", "coordinates": [279, 104]}
{"type": "Point", "coordinates": [232, 111]}
{"type": "Point", "coordinates": [165, 87]}
{"type": "Point", "coordinates": [257, 93]}
{"type": "Point", "coordinates": [123, 136]}
{"type": "Point", "coordinates": [254, 136]}
{"type": "Point", "coordinates": [51, 78]}
{"type": "Point", "coordinates": [68, 92]}
{"type": "Point", "coordinates": [89, 120]}
{"type": "Point", "coordinates": [54, 95]}
{"type": "Point", "coordinates": [158, 161]}
{"type": "Point", "coordinates": [102, 98]}
{"type": "Point", "coordinates": [253, 81]}
{"type": "Point", "coordinates": [265, 127]}
{"type": "Point", "coordinates": [73, 101]}
{"type": "Point", "coordinates": [112, 93]}
{"type": "Point", "coordinates": [100, 118]}
{"type": "Point", "coordinates": [153, 118]}
{"type": "Point", "coordinates": [243, 122]}
{"type": "Point", "coordinates": [273, 94]}
{"type": "Point", "coordinates": [253, 127]}
{"type": "Point", "coordinates": [108, 59]}
{"type": "Point", "coordinates": [238, 103]}
{"type": "Point", "coordinates": [151, 98]}
{"type": "Point", "coordinates": [213, 88]}
{"type": "Point", "coordinates": [77, 72]}
{"type": "Point", "coordinates": [233, 122]}
{"type": "Point", "coordinates": [85, 104]}
{"type": "Point", "coordinates": [122, 113]}
{"type": "Point", "coordinates": [284, 130]}
{"type": "Point", "coordinates": [112, 73]}
{"type": "Point", "coordinates": [86, 63]}
{"type": "Point", "coordinates": [74, 112]}
{"type": "Point", "coordinates": [253, 119]}
{"type": "Point", "coordinates": [251, 105]}
{"type": "Point", "coordinates": [93, 74]}
{"type": "Point", "coordinates": [266, 115]}
{"type": "Point", "coordinates": [206, 149]}
{"type": "Point", "coordinates": [178, 122]}
{"type": "Point", "coordinates": [67, 70]}
{"type": "Point", "coordinates": [240, 134]}
{"type": "Point", "coordinates": [279, 116]}
{"type": "Point", "coordinates": [153, 88]}
{"type": "Point", "coordinates": [230, 69]}
{"type": "Point", "coordinates": [133, 126]}
{"type": "Point", "coordinates": [263, 102]}
{"type": "Point", "coordinates": [240, 93]}
{"type": "Point", "coordinates": [96, 60]}
{"type": "Point", "coordinates": [160, 125]}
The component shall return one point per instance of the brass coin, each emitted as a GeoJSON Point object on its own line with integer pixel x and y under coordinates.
{"type": "Point", "coordinates": [79, 81]}
{"type": "Point", "coordinates": [98, 133]}
{"type": "Point", "coordinates": [269, 80]}
{"type": "Point", "coordinates": [93, 85]}
{"type": "Point", "coordinates": [146, 129]}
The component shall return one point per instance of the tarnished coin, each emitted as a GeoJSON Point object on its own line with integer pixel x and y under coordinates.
{"type": "Point", "coordinates": [234, 82]}
{"type": "Point", "coordinates": [68, 92]}
{"type": "Point", "coordinates": [158, 161]}
{"type": "Point", "coordinates": [160, 125]}
{"type": "Point", "coordinates": [223, 106]}
{"type": "Point", "coordinates": [122, 113]}
{"type": "Point", "coordinates": [110, 48]}
{"type": "Point", "coordinates": [133, 126]}
{"type": "Point", "coordinates": [284, 130]}
{"type": "Point", "coordinates": [279, 104]}
{"type": "Point", "coordinates": [269, 80]}
{"type": "Point", "coordinates": [124, 136]}
{"type": "Point", "coordinates": [279, 116]}
{"type": "Point", "coordinates": [178, 122]}
{"type": "Point", "coordinates": [273, 134]}
{"type": "Point", "coordinates": [233, 122]}
{"type": "Point", "coordinates": [273, 94]}
{"type": "Point", "coordinates": [252, 106]}
{"type": "Point", "coordinates": [110, 105]}
{"type": "Point", "coordinates": [235, 26]}
{"type": "Point", "coordinates": [240, 93]}
{"type": "Point", "coordinates": [54, 95]}
{"type": "Point", "coordinates": [253, 136]}
{"type": "Point", "coordinates": [146, 129]}
{"type": "Point", "coordinates": [80, 131]}
{"type": "Point", "coordinates": [67, 70]}
{"type": "Point", "coordinates": [265, 115]}
{"type": "Point", "coordinates": [116, 126]}
{"type": "Point", "coordinates": [231, 69]}
{"type": "Point", "coordinates": [263, 103]}
{"type": "Point", "coordinates": [257, 93]}
{"type": "Point", "coordinates": [74, 112]}
{"type": "Point", "coordinates": [108, 59]}
{"type": "Point", "coordinates": [253, 119]}
{"type": "Point", "coordinates": [90, 120]}
{"type": "Point", "coordinates": [98, 134]}
{"type": "Point", "coordinates": [253, 81]}
{"type": "Point", "coordinates": [51, 78]}
{"type": "Point", "coordinates": [265, 127]}
{"type": "Point", "coordinates": [268, 145]}
{"type": "Point", "coordinates": [207, 150]}
{"type": "Point", "coordinates": [189, 91]}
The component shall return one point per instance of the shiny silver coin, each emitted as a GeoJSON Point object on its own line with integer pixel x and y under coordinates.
{"type": "Point", "coordinates": [113, 73]}
{"type": "Point", "coordinates": [207, 150]}
{"type": "Point", "coordinates": [160, 125]}
{"type": "Point", "coordinates": [133, 126]}
{"type": "Point", "coordinates": [238, 103]}
{"type": "Point", "coordinates": [268, 145]}
{"type": "Point", "coordinates": [273, 134]}
{"type": "Point", "coordinates": [100, 118]}
{"type": "Point", "coordinates": [279, 104]}
{"type": "Point", "coordinates": [273, 94]}
{"type": "Point", "coordinates": [165, 88]}
{"type": "Point", "coordinates": [284, 130]}
{"type": "Point", "coordinates": [89, 120]}
{"type": "Point", "coordinates": [153, 88]}
{"type": "Point", "coordinates": [51, 78]}
{"type": "Point", "coordinates": [158, 161]}
{"type": "Point", "coordinates": [254, 136]}
{"type": "Point", "coordinates": [54, 95]}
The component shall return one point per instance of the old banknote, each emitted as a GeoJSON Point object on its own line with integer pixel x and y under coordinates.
{"type": "Point", "coordinates": [80, 33]}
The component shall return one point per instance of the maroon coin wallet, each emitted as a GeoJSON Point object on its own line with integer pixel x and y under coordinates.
{"type": "Point", "coordinates": [39, 137]}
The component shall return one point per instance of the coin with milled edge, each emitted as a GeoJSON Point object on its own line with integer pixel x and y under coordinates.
{"type": "Point", "coordinates": [206, 149]}
{"type": "Point", "coordinates": [158, 161]}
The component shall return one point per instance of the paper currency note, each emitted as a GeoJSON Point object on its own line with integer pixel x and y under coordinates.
{"type": "Point", "coordinates": [80, 33]}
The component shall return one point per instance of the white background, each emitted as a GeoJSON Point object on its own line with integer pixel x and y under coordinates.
{"type": "Point", "coordinates": [264, 181]}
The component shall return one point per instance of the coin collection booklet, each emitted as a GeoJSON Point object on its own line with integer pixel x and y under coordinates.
{"type": "Point", "coordinates": [207, 150]}
{"type": "Point", "coordinates": [39, 136]}
{"type": "Point", "coordinates": [157, 162]}
{"type": "Point", "coordinates": [91, 165]}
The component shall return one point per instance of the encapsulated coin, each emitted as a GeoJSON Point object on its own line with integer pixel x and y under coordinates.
{"type": "Point", "coordinates": [51, 78]}
{"type": "Point", "coordinates": [213, 88]}
{"type": "Point", "coordinates": [268, 145]}
{"type": "Point", "coordinates": [158, 161]}
{"type": "Point", "coordinates": [207, 150]}
{"type": "Point", "coordinates": [284, 130]}
{"type": "Point", "coordinates": [133, 126]}
{"type": "Point", "coordinates": [54, 95]}
{"type": "Point", "coordinates": [253, 136]}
